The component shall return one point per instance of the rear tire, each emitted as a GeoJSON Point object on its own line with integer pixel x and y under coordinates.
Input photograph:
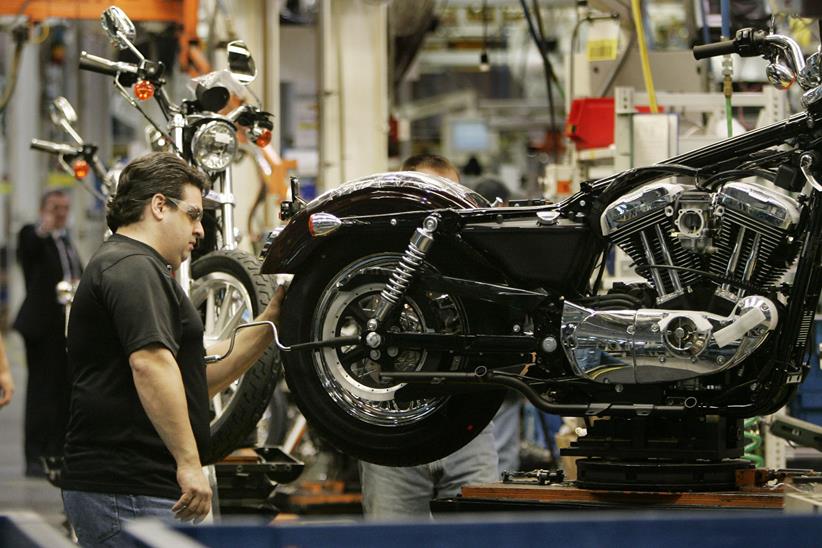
{"type": "Point", "coordinates": [337, 389]}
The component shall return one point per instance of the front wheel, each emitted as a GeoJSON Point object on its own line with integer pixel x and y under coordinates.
{"type": "Point", "coordinates": [228, 291]}
{"type": "Point", "coordinates": [339, 389]}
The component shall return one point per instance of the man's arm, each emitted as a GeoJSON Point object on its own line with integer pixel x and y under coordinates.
{"type": "Point", "coordinates": [249, 345]}
{"type": "Point", "coordinates": [162, 394]}
{"type": "Point", "coordinates": [6, 382]}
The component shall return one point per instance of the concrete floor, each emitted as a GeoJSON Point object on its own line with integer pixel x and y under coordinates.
{"type": "Point", "coordinates": [18, 492]}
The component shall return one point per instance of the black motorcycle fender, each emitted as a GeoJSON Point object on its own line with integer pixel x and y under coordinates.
{"type": "Point", "coordinates": [378, 194]}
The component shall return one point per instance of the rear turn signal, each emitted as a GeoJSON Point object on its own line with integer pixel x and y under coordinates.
{"type": "Point", "coordinates": [323, 224]}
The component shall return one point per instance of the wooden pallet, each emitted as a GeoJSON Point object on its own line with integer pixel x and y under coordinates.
{"type": "Point", "coordinates": [564, 494]}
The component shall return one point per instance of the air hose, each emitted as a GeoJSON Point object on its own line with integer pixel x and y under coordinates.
{"type": "Point", "coordinates": [636, 8]}
{"type": "Point", "coordinates": [753, 442]}
{"type": "Point", "coordinates": [727, 67]}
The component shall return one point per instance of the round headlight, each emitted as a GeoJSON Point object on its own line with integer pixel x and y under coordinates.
{"type": "Point", "coordinates": [214, 145]}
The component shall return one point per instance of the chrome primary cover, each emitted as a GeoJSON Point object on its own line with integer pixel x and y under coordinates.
{"type": "Point", "coordinates": [655, 345]}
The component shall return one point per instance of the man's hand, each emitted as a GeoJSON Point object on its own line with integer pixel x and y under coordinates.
{"type": "Point", "coordinates": [272, 311]}
{"type": "Point", "coordinates": [6, 386]}
{"type": "Point", "coordinates": [249, 345]}
{"type": "Point", "coordinates": [195, 502]}
{"type": "Point", "coordinates": [48, 222]}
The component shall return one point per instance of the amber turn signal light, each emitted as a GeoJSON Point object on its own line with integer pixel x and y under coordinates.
{"type": "Point", "coordinates": [143, 90]}
{"type": "Point", "coordinates": [81, 169]}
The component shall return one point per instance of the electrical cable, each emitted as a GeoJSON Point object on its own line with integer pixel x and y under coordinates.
{"type": "Point", "coordinates": [753, 439]}
{"type": "Point", "coordinates": [13, 73]}
{"type": "Point", "coordinates": [546, 65]}
{"type": "Point", "coordinates": [737, 174]}
{"type": "Point", "coordinates": [727, 67]}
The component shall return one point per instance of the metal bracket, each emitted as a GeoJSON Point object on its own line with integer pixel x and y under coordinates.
{"type": "Point", "coordinates": [805, 164]}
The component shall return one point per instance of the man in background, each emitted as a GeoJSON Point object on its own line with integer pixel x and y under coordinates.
{"type": "Point", "coordinates": [392, 492]}
{"type": "Point", "coordinates": [47, 257]}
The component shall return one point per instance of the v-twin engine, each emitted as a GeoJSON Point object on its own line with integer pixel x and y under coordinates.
{"type": "Point", "coordinates": [708, 255]}
{"type": "Point", "coordinates": [654, 345]}
{"type": "Point", "coordinates": [672, 232]}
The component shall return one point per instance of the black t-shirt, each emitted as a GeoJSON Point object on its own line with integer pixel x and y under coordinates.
{"type": "Point", "coordinates": [126, 301]}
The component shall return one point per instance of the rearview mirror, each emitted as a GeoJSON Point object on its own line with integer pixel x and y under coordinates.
{"type": "Point", "coordinates": [61, 111]}
{"type": "Point", "coordinates": [62, 115]}
{"type": "Point", "coordinates": [240, 62]}
{"type": "Point", "coordinates": [118, 26]}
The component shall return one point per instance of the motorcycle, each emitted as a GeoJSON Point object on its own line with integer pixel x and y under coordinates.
{"type": "Point", "coordinates": [414, 303]}
{"type": "Point", "coordinates": [77, 161]}
{"type": "Point", "coordinates": [223, 282]}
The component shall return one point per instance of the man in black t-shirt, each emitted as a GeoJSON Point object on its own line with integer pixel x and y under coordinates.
{"type": "Point", "coordinates": [139, 419]}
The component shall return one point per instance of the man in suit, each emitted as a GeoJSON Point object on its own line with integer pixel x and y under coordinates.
{"type": "Point", "coordinates": [47, 257]}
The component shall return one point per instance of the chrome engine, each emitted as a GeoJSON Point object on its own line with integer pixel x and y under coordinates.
{"type": "Point", "coordinates": [719, 242]}
{"type": "Point", "coordinates": [741, 232]}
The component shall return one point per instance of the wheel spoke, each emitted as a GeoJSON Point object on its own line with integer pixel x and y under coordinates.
{"type": "Point", "coordinates": [352, 356]}
{"type": "Point", "coordinates": [358, 313]}
{"type": "Point", "coordinates": [217, 404]}
{"type": "Point", "coordinates": [229, 323]}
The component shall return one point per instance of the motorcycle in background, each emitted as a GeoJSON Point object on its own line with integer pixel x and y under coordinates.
{"type": "Point", "coordinates": [77, 160]}
{"type": "Point", "coordinates": [222, 280]}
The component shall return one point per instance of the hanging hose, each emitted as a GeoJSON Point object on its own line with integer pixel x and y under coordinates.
{"type": "Point", "coordinates": [727, 67]}
{"type": "Point", "coordinates": [19, 42]}
{"type": "Point", "coordinates": [548, 70]}
{"type": "Point", "coordinates": [636, 8]}
{"type": "Point", "coordinates": [753, 442]}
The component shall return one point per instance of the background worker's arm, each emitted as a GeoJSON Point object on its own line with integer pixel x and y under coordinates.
{"type": "Point", "coordinates": [6, 381]}
{"type": "Point", "coordinates": [162, 394]}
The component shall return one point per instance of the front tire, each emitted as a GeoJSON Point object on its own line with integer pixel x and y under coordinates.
{"type": "Point", "coordinates": [228, 291]}
{"type": "Point", "coordinates": [339, 391]}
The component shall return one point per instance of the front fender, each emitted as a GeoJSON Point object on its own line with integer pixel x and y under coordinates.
{"type": "Point", "coordinates": [381, 193]}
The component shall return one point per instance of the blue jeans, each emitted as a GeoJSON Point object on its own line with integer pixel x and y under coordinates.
{"type": "Point", "coordinates": [98, 518]}
{"type": "Point", "coordinates": [389, 492]}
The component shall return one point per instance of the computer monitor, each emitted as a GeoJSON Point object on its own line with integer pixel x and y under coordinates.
{"type": "Point", "coordinates": [467, 136]}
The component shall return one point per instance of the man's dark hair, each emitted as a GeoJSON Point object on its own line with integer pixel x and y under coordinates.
{"type": "Point", "coordinates": [431, 161]}
{"type": "Point", "coordinates": [52, 192]}
{"type": "Point", "coordinates": [155, 173]}
{"type": "Point", "coordinates": [491, 189]}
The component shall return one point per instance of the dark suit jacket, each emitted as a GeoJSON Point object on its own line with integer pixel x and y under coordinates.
{"type": "Point", "coordinates": [40, 315]}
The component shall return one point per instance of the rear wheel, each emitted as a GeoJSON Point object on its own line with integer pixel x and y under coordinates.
{"type": "Point", "coordinates": [339, 389]}
{"type": "Point", "coordinates": [228, 291]}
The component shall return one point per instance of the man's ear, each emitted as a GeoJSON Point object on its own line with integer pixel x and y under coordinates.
{"type": "Point", "coordinates": [157, 206]}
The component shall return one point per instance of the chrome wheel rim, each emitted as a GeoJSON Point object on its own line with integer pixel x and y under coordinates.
{"type": "Point", "coordinates": [348, 374]}
{"type": "Point", "coordinates": [224, 303]}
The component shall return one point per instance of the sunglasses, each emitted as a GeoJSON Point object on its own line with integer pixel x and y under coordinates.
{"type": "Point", "coordinates": [194, 213]}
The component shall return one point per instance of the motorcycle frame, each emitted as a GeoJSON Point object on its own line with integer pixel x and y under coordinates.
{"type": "Point", "coordinates": [362, 215]}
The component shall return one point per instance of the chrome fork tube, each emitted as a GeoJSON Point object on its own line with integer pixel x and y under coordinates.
{"type": "Point", "coordinates": [227, 211]}
{"type": "Point", "coordinates": [184, 272]}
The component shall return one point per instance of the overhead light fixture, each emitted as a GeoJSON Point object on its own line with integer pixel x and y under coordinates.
{"type": "Point", "coordinates": [484, 64]}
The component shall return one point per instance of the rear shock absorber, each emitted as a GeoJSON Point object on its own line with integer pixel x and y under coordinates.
{"type": "Point", "coordinates": [409, 265]}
